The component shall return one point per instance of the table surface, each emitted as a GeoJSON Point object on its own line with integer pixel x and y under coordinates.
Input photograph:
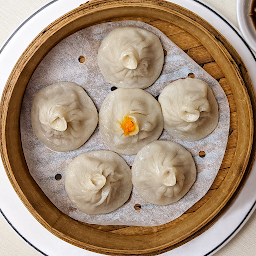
{"type": "Point", "coordinates": [12, 13]}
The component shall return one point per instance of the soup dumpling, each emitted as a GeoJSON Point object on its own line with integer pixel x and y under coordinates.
{"type": "Point", "coordinates": [189, 108]}
{"type": "Point", "coordinates": [129, 119]}
{"type": "Point", "coordinates": [131, 57]}
{"type": "Point", "coordinates": [98, 182]}
{"type": "Point", "coordinates": [63, 116]}
{"type": "Point", "coordinates": [163, 172]}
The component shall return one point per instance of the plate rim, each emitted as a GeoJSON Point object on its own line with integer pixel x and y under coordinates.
{"type": "Point", "coordinates": [58, 0]}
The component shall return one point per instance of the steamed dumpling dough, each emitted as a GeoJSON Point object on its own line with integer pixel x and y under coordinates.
{"type": "Point", "coordinates": [163, 172]}
{"type": "Point", "coordinates": [98, 182]}
{"type": "Point", "coordinates": [189, 108]}
{"type": "Point", "coordinates": [63, 116]}
{"type": "Point", "coordinates": [129, 119]}
{"type": "Point", "coordinates": [131, 57]}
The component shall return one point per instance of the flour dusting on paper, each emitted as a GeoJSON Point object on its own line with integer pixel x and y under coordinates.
{"type": "Point", "coordinates": [61, 64]}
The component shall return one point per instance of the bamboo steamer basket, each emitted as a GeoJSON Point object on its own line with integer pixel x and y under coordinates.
{"type": "Point", "coordinates": [203, 44]}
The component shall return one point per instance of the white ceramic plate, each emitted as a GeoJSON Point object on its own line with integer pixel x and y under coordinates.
{"type": "Point", "coordinates": [245, 22]}
{"type": "Point", "coordinates": [48, 244]}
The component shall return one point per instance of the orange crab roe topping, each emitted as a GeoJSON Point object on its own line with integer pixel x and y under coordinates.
{"type": "Point", "coordinates": [128, 125]}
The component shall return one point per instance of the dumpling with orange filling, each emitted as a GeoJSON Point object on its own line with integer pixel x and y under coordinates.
{"type": "Point", "coordinates": [130, 119]}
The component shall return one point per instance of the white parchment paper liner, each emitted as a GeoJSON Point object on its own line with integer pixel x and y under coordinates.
{"type": "Point", "coordinates": [61, 64]}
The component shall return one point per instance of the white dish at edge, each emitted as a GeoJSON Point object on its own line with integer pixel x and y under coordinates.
{"type": "Point", "coordinates": [245, 22]}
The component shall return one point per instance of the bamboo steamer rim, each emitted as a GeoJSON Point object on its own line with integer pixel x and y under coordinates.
{"type": "Point", "coordinates": [84, 235]}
